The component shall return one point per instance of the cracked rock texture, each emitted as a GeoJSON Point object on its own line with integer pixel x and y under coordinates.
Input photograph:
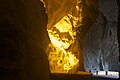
{"type": "Point", "coordinates": [100, 44]}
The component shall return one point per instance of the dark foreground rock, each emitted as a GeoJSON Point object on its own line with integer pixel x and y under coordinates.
{"type": "Point", "coordinates": [23, 40]}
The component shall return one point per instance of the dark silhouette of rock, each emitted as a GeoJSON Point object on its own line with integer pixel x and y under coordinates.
{"type": "Point", "coordinates": [23, 40]}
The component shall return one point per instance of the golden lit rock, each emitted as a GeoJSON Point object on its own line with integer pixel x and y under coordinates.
{"type": "Point", "coordinates": [62, 35]}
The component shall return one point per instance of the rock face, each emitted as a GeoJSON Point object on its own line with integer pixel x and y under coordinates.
{"type": "Point", "coordinates": [98, 35]}
{"type": "Point", "coordinates": [23, 36]}
{"type": "Point", "coordinates": [57, 9]}
{"type": "Point", "coordinates": [63, 20]}
{"type": "Point", "coordinates": [23, 40]}
{"type": "Point", "coordinates": [118, 28]}
{"type": "Point", "coordinates": [100, 45]}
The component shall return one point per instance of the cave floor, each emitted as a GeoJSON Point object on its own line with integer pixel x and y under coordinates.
{"type": "Point", "coordinates": [63, 76]}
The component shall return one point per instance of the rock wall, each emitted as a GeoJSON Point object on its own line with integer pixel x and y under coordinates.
{"type": "Point", "coordinates": [23, 40]}
{"type": "Point", "coordinates": [97, 36]}
{"type": "Point", "coordinates": [57, 9]}
{"type": "Point", "coordinates": [100, 44]}
{"type": "Point", "coordinates": [118, 29]}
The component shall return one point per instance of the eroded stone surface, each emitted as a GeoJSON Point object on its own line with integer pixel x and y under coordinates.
{"type": "Point", "coordinates": [100, 42]}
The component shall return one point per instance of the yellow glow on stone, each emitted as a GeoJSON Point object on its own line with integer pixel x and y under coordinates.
{"type": "Point", "coordinates": [62, 35]}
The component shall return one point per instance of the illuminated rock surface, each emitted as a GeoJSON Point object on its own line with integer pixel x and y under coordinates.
{"type": "Point", "coordinates": [57, 9]}
{"type": "Point", "coordinates": [62, 34]}
{"type": "Point", "coordinates": [100, 41]}
{"type": "Point", "coordinates": [97, 36]}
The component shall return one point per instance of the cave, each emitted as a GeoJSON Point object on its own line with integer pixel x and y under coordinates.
{"type": "Point", "coordinates": [59, 39]}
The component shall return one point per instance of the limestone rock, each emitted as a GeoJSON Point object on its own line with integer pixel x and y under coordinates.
{"type": "Point", "coordinates": [100, 42]}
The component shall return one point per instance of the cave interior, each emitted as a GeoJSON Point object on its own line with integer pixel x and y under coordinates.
{"type": "Point", "coordinates": [59, 39]}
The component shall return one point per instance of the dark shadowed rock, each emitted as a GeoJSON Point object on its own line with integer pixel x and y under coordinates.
{"type": "Point", "coordinates": [23, 40]}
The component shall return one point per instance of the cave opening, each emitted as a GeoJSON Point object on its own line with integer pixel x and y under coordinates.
{"type": "Point", "coordinates": [63, 49]}
{"type": "Point", "coordinates": [67, 31]}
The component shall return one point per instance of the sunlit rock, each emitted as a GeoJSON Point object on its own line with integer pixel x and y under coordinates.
{"type": "Point", "coordinates": [63, 21]}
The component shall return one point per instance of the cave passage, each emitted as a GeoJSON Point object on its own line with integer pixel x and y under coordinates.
{"type": "Point", "coordinates": [63, 56]}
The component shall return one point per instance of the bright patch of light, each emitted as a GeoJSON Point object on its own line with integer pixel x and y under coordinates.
{"type": "Point", "coordinates": [62, 36]}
